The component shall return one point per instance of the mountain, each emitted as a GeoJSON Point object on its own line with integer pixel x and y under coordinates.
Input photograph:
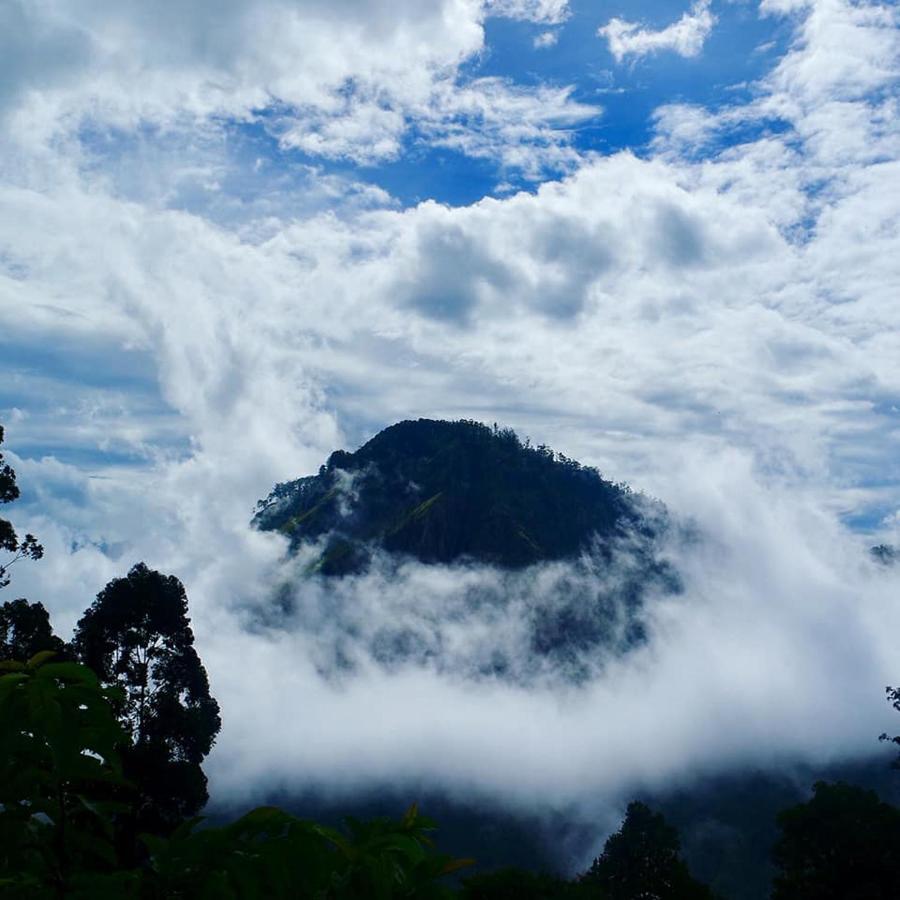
{"type": "Point", "coordinates": [456, 546]}
{"type": "Point", "coordinates": [443, 492]}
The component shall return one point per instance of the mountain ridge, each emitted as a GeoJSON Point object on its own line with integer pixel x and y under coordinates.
{"type": "Point", "coordinates": [442, 492]}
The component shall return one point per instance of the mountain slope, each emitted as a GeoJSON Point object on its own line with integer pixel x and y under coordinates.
{"type": "Point", "coordinates": [446, 491]}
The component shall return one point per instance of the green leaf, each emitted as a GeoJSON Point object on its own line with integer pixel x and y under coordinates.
{"type": "Point", "coordinates": [69, 671]}
{"type": "Point", "coordinates": [410, 816]}
{"type": "Point", "coordinates": [40, 658]}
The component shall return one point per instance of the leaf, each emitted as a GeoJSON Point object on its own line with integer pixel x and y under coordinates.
{"type": "Point", "coordinates": [69, 671]}
{"type": "Point", "coordinates": [410, 816]}
{"type": "Point", "coordinates": [40, 658]}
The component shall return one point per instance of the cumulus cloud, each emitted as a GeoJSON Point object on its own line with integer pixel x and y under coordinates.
{"type": "Point", "coordinates": [685, 37]}
{"type": "Point", "coordinates": [338, 81]}
{"type": "Point", "coordinates": [714, 322]}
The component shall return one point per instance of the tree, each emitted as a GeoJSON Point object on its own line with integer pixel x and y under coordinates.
{"type": "Point", "coordinates": [893, 696]}
{"type": "Point", "coordinates": [642, 861]}
{"type": "Point", "coordinates": [28, 548]}
{"type": "Point", "coordinates": [137, 636]}
{"type": "Point", "coordinates": [843, 844]}
{"type": "Point", "coordinates": [25, 630]}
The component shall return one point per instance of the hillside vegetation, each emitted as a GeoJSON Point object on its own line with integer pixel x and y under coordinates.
{"type": "Point", "coordinates": [443, 491]}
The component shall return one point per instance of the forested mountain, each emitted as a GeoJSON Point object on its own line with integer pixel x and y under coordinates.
{"type": "Point", "coordinates": [446, 491]}
{"type": "Point", "coordinates": [559, 562]}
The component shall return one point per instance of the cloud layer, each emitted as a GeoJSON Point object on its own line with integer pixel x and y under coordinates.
{"type": "Point", "coordinates": [353, 81]}
{"type": "Point", "coordinates": [191, 309]}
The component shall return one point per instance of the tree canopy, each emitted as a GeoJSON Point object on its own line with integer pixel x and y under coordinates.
{"type": "Point", "coordinates": [442, 491]}
{"type": "Point", "coordinates": [893, 695]}
{"type": "Point", "coordinates": [137, 636]}
{"type": "Point", "coordinates": [642, 861]}
{"type": "Point", "coordinates": [28, 547]}
{"type": "Point", "coordinates": [843, 844]}
{"type": "Point", "coordinates": [25, 630]}
{"type": "Point", "coordinates": [62, 788]}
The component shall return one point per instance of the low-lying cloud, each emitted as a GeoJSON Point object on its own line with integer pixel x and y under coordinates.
{"type": "Point", "coordinates": [714, 321]}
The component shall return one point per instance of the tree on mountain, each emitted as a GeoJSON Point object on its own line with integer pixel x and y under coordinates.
{"type": "Point", "coordinates": [25, 630]}
{"type": "Point", "coordinates": [137, 636]}
{"type": "Point", "coordinates": [843, 844]}
{"type": "Point", "coordinates": [642, 861]}
{"type": "Point", "coordinates": [28, 548]}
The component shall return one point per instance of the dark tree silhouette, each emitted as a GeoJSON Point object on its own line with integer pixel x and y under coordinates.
{"type": "Point", "coordinates": [28, 547]}
{"type": "Point", "coordinates": [893, 695]}
{"type": "Point", "coordinates": [516, 884]}
{"type": "Point", "coordinates": [642, 861]}
{"type": "Point", "coordinates": [25, 630]}
{"type": "Point", "coordinates": [137, 636]}
{"type": "Point", "coordinates": [844, 844]}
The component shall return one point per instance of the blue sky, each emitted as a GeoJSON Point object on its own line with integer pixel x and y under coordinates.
{"type": "Point", "coordinates": [743, 48]}
{"type": "Point", "coordinates": [664, 241]}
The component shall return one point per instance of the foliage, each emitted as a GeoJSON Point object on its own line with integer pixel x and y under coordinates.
{"type": "Point", "coordinates": [25, 630]}
{"type": "Point", "coordinates": [516, 884]}
{"type": "Point", "coordinates": [844, 844]}
{"type": "Point", "coordinates": [441, 491]}
{"type": "Point", "coordinates": [642, 861]}
{"type": "Point", "coordinates": [271, 854]}
{"type": "Point", "coordinates": [58, 767]}
{"type": "Point", "coordinates": [137, 636]}
{"type": "Point", "coordinates": [893, 696]}
{"type": "Point", "coordinates": [28, 547]}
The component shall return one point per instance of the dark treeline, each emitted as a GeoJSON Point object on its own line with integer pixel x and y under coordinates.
{"type": "Point", "coordinates": [102, 741]}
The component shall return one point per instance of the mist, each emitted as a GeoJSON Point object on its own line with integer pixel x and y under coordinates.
{"type": "Point", "coordinates": [192, 310]}
{"type": "Point", "coordinates": [774, 653]}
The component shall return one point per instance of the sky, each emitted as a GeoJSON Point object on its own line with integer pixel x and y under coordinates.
{"type": "Point", "coordinates": [662, 237]}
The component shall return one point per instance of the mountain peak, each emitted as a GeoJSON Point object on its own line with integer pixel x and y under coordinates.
{"type": "Point", "coordinates": [447, 491]}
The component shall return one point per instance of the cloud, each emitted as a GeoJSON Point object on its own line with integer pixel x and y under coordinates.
{"type": "Point", "coordinates": [546, 39]}
{"type": "Point", "coordinates": [186, 320]}
{"type": "Point", "coordinates": [685, 37]}
{"type": "Point", "coordinates": [545, 12]}
{"type": "Point", "coordinates": [344, 81]}
{"type": "Point", "coordinates": [776, 653]}
{"type": "Point", "coordinates": [524, 129]}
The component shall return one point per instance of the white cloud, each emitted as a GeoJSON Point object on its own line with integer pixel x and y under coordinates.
{"type": "Point", "coordinates": [777, 651]}
{"type": "Point", "coordinates": [340, 81]}
{"type": "Point", "coordinates": [685, 37]}
{"type": "Point", "coordinates": [546, 39]}
{"type": "Point", "coordinates": [545, 12]}
{"type": "Point", "coordinates": [526, 129]}
{"type": "Point", "coordinates": [716, 324]}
